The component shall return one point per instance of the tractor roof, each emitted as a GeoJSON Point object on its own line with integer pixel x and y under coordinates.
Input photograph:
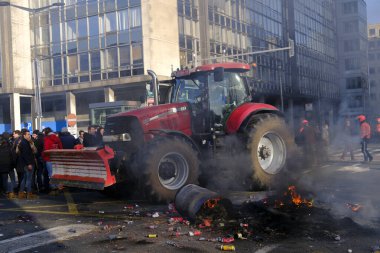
{"type": "Point", "coordinates": [238, 67]}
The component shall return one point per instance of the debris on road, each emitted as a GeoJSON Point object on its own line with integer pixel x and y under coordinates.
{"type": "Point", "coordinates": [354, 207]}
{"type": "Point", "coordinates": [227, 247]}
{"type": "Point", "coordinates": [71, 230]}
{"type": "Point", "coordinates": [152, 236]}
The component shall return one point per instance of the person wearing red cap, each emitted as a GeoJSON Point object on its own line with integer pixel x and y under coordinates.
{"type": "Point", "coordinates": [365, 135]}
{"type": "Point", "coordinates": [307, 139]}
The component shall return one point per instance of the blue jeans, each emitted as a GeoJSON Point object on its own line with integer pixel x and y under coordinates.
{"type": "Point", "coordinates": [367, 155]}
{"type": "Point", "coordinates": [27, 180]}
{"type": "Point", "coordinates": [49, 168]}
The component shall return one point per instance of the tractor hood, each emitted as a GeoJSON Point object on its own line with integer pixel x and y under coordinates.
{"type": "Point", "coordinates": [174, 116]}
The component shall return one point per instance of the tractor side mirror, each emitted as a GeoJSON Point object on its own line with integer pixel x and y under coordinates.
{"type": "Point", "coordinates": [219, 74]}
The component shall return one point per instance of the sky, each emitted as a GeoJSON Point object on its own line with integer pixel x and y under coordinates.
{"type": "Point", "coordinates": [373, 9]}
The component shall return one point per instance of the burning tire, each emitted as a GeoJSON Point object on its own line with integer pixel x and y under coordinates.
{"type": "Point", "coordinates": [270, 145]}
{"type": "Point", "coordinates": [169, 164]}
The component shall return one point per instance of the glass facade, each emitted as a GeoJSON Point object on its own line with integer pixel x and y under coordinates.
{"type": "Point", "coordinates": [88, 40]}
{"type": "Point", "coordinates": [315, 39]}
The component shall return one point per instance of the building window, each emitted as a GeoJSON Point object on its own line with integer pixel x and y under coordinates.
{"type": "Point", "coordinates": [110, 22]}
{"type": "Point", "coordinates": [82, 27]}
{"type": "Point", "coordinates": [351, 64]}
{"type": "Point", "coordinates": [372, 32]}
{"type": "Point", "coordinates": [94, 25]}
{"type": "Point", "coordinates": [350, 7]}
{"type": "Point", "coordinates": [372, 71]}
{"type": "Point", "coordinates": [122, 17]}
{"type": "Point", "coordinates": [135, 17]}
{"type": "Point", "coordinates": [112, 61]}
{"type": "Point", "coordinates": [371, 57]}
{"type": "Point", "coordinates": [72, 64]}
{"type": "Point", "coordinates": [353, 83]}
{"type": "Point", "coordinates": [125, 56]}
{"type": "Point", "coordinates": [71, 30]}
{"type": "Point", "coordinates": [351, 45]}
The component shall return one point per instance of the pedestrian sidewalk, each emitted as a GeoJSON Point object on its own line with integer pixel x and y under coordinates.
{"type": "Point", "coordinates": [336, 153]}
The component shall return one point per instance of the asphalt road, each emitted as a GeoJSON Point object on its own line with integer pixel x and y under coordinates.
{"type": "Point", "coordinates": [80, 221]}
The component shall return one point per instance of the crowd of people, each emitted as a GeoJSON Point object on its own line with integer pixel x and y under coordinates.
{"type": "Point", "coordinates": [315, 141]}
{"type": "Point", "coordinates": [26, 169]}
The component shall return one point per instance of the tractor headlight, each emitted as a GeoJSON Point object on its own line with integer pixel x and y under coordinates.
{"type": "Point", "coordinates": [117, 137]}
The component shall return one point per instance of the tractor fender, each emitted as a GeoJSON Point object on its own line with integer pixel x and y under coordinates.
{"type": "Point", "coordinates": [242, 113]}
{"type": "Point", "coordinates": [173, 133]}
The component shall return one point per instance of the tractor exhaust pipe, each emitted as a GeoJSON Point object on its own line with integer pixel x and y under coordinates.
{"type": "Point", "coordinates": [155, 85]}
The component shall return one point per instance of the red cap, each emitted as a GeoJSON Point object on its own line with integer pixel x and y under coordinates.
{"type": "Point", "coordinates": [305, 121]}
{"type": "Point", "coordinates": [361, 118]}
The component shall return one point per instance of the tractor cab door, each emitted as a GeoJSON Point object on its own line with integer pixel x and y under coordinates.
{"type": "Point", "coordinates": [193, 90]}
{"type": "Point", "coordinates": [225, 94]}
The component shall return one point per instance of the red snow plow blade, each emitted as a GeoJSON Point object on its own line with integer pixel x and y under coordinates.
{"type": "Point", "coordinates": [84, 168]}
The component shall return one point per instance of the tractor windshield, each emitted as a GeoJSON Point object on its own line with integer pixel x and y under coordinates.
{"type": "Point", "coordinates": [232, 90]}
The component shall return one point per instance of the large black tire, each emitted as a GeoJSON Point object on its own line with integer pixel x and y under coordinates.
{"type": "Point", "coordinates": [168, 165]}
{"type": "Point", "coordinates": [271, 146]}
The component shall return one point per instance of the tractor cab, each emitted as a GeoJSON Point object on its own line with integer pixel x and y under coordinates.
{"type": "Point", "coordinates": [212, 91]}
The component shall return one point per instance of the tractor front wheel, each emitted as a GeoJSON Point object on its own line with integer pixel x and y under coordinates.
{"type": "Point", "coordinates": [169, 164]}
{"type": "Point", "coordinates": [271, 145]}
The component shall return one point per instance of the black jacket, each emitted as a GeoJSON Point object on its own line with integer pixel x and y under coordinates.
{"type": "Point", "coordinates": [89, 140]}
{"type": "Point", "coordinates": [68, 140]}
{"type": "Point", "coordinates": [26, 153]}
{"type": "Point", "coordinates": [5, 156]}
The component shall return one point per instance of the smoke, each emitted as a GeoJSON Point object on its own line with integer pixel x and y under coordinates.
{"type": "Point", "coordinates": [229, 169]}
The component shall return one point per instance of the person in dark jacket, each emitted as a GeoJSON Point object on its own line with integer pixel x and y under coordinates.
{"type": "Point", "coordinates": [6, 165]}
{"type": "Point", "coordinates": [16, 161]}
{"type": "Point", "coordinates": [89, 138]}
{"type": "Point", "coordinates": [27, 151]}
{"type": "Point", "coordinates": [79, 140]}
{"type": "Point", "coordinates": [68, 140]}
{"type": "Point", "coordinates": [38, 140]}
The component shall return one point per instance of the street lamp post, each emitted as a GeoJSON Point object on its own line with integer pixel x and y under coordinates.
{"type": "Point", "coordinates": [37, 88]}
{"type": "Point", "coordinates": [281, 91]}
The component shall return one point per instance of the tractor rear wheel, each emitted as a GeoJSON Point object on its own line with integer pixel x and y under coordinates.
{"type": "Point", "coordinates": [271, 145]}
{"type": "Point", "coordinates": [169, 164]}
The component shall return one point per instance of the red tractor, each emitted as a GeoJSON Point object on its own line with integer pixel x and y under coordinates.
{"type": "Point", "coordinates": [164, 146]}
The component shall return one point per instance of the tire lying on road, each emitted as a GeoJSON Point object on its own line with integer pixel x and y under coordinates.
{"type": "Point", "coordinates": [271, 145]}
{"type": "Point", "coordinates": [169, 164]}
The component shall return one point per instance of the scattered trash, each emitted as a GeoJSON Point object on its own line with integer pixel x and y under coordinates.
{"type": "Point", "coordinates": [195, 233]}
{"type": "Point", "coordinates": [240, 236]}
{"type": "Point", "coordinates": [337, 238]}
{"type": "Point", "coordinates": [129, 222]}
{"type": "Point", "coordinates": [171, 243]}
{"type": "Point", "coordinates": [349, 250]}
{"type": "Point", "coordinates": [155, 215]}
{"type": "Point", "coordinates": [1, 235]}
{"type": "Point", "coordinates": [354, 207]}
{"type": "Point", "coordinates": [101, 212]}
{"type": "Point", "coordinates": [71, 230]}
{"type": "Point", "coordinates": [152, 236]}
{"type": "Point", "coordinates": [112, 237]}
{"type": "Point", "coordinates": [202, 239]}
{"type": "Point", "coordinates": [152, 227]}
{"type": "Point", "coordinates": [227, 247]}
{"type": "Point", "coordinates": [226, 240]}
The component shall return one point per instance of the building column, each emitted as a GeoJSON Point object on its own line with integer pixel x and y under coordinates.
{"type": "Point", "coordinates": [33, 113]}
{"type": "Point", "coordinates": [15, 111]}
{"type": "Point", "coordinates": [70, 103]}
{"type": "Point", "coordinates": [109, 95]}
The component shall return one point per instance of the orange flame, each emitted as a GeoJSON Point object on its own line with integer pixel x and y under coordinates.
{"type": "Point", "coordinates": [211, 203]}
{"type": "Point", "coordinates": [354, 207]}
{"type": "Point", "coordinates": [297, 199]}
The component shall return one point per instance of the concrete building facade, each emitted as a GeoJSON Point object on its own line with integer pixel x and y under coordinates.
{"type": "Point", "coordinates": [353, 62]}
{"type": "Point", "coordinates": [374, 68]}
{"type": "Point", "coordinates": [94, 51]}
